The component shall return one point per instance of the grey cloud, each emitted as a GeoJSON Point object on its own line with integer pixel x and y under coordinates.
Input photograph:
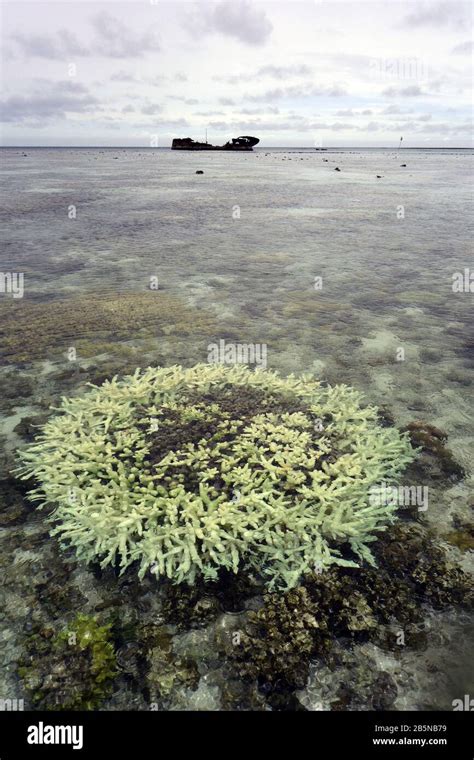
{"type": "Point", "coordinates": [234, 78]}
{"type": "Point", "coordinates": [71, 43]}
{"type": "Point", "coordinates": [297, 92]}
{"type": "Point", "coordinates": [334, 92]}
{"type": "Point", "coordinates": [437, 128]}
{"type": "Point", "coordinates": [127, 77]}
{"type": "Point", "coordinates": [412, 91]}
{"type": "Point", "coordinates": [256, 111]}
{"type": "Point", "coordinates": [392, 110]}
{"type": "Point", "coordinates": [173, 123]}
{"type": "Point", "coordinates": [339, 126]}
{"type": "Point", "coordinates": [63, 44]}
{"type": "Point", "coordinates": [248, 126]}
{"type": "Point", "coordinates": [439, 14]}
{"type": "Point", "coordinates": [271, 71]}
{"type": "Point", "coordinates": [336, 126]}
{"type": "Point", "coordinates": [62, 98]}
{"type": "Point", "coordinates": [350, 112]}
{"type": "Point", "coordinates": [295, 116]}
{"type": "Point", "coordinates": [124, 76]}
{"type": "Point", "coordinates": [281, 72]}
{"type": "Point", "coordinates": [114, 39]}
{"type": "Point", "coordinates": [233, 18]}
{"type": "Point", "coordinates": [243, 21]}
{"type": "Point", "coordinates": [151, 108]}
{"type": "Point", "coordinates": [372, 126]}
{"type": "Point", "coordinates": [69, 86]}
{"type": "Point", "coordinates": [118, 40]}
{"type": "Point", "coordinates": [209, 113]}
{"type": "Point", "coordinates": [318, 126]}
{"type": "Point", "coordinates": [405, 126]}
{"type": "Point", "coordinates": [163, 123]}
{"type": "Point", "coordinates": [226, 101]}
{"type": "Point", "coordinates": [443, 128]}
{"type": "Point", "coordinates": [282, 126]}
{"type": "Point", "coordinates": [187, 101]}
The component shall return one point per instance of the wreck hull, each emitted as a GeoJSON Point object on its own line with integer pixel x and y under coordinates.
{"type": "Point", "coordinates": [244, 143]}
{"type": "Point", "coordinates": [239, 149]}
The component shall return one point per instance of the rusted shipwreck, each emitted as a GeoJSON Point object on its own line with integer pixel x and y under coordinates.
{"type": "Point", "coordinates": [243, 143]}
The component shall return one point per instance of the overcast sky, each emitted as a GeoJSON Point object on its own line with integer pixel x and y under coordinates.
{"type": "Point", "coordinates": [291, 73]}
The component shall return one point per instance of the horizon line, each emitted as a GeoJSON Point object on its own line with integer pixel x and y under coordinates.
{"type": "Point", "coordinates": [306, 147]}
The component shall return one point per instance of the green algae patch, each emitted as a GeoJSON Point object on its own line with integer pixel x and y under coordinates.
{"type": "Point", "coordinates": [184, 473]}
{"type": "Point", "coordinates": [462, 538]}
{"type": "Point", "coordinates": [92, 323]}
{"type": "Point", "coordinates": [70, 670]}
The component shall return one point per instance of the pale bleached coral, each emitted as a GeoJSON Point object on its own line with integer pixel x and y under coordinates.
{"type": "Point", "coordinates": [189, 471]}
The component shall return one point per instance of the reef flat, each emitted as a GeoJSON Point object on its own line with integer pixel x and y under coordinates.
{"type": "Point", "coordinates": [390, 636]}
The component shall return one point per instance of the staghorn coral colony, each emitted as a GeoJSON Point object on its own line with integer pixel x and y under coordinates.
{"type": "Point", "coordinates": [187, 472]}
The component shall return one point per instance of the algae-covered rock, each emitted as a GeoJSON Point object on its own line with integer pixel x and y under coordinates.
{"type": "Point", "coordinates": [349, 683]}
{"type": "Point", "coordinates": [278, 641]}
{"type": "Point", "coordinates": [28, 426]}
{"type": "Point", "coordinates": [92, 322]}
{"type": "Point", "coordinates": [69, 670]}
{"type": "Point", "coordinates": [192, 606]}
{"type": "Point", "coordinates": [168, 672]}
{"type": "Point", "coordinates": [192, 472]}
{"type": "Point", "coordinates": [189, 606]}
{"type": "Point", "coordinates": [13, 506]}
{"type": "Point", "coordinates": [462, 537]}
{"type": "Point", "coordinates": [436, 458]}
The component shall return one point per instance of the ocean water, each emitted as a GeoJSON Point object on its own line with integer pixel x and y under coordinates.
{"type": "Point", "coordinates": [245, 242]}
{"type": "Point", "coordinates": [341, 273]}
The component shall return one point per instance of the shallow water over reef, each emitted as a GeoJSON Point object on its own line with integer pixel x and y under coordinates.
{"type": "Point", "coordinates": [236, 252]}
